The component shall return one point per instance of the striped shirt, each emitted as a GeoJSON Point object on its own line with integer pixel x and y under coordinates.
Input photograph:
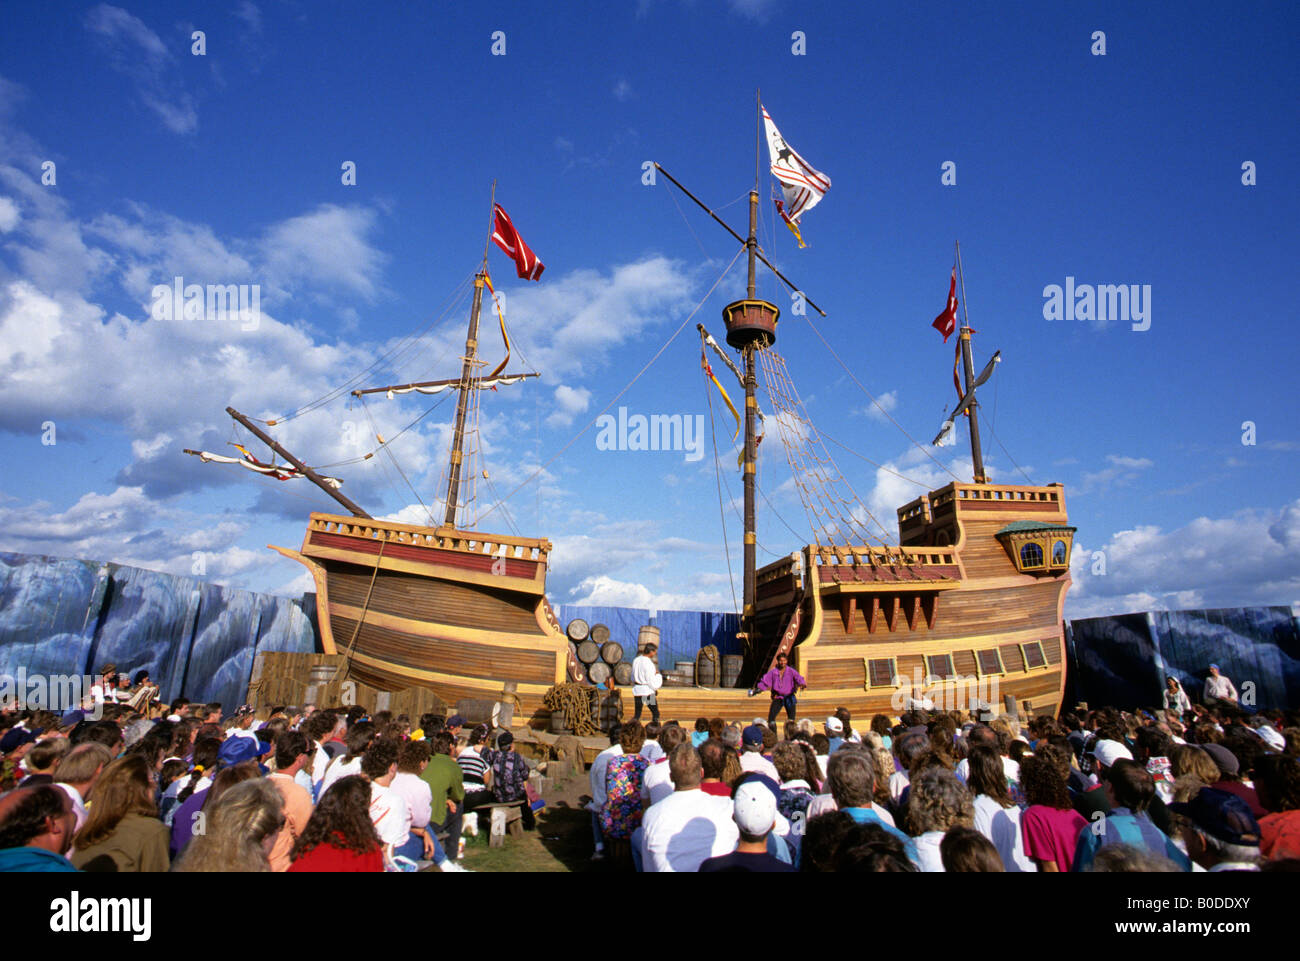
{"type": "Point", "coordinates": [472, 766]}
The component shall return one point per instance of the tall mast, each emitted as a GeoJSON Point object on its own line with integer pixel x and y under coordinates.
{"type": "Point", "coordinates": [307, 472]}
{"type": "Point", "coordinates": [467, 377]}
{"type": "Point", "coordinates": [977, 455]}
{"type": "Point", "coordinates": [751, 401]}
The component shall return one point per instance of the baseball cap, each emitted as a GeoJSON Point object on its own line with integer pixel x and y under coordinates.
{"type": "Point", "coordinates": [455, 721]}
{"type": "Point", "coordinates": [1271, 736]}
{"type": "Point", "coordinates": [754, 808]}
{"type": "Point", "coordinates": [834, 725]}
{"type": "Point", "coordinates": [752, 735]}
{"type": "Point", "coordinates": [1214, 667]}
{"type": "Point", "coordinates": [1222, 815]}
{"type": "Point", "coordinates": [1224, 759]}
{"type": "Point", "coordinates": [1108, 752]}
{"type": "Point", "coordinates": [15, 738]}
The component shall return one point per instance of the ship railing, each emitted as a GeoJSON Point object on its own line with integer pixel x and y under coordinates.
{"type": "Point", "coordinates": [994, 492]}
{"type": "Point", "coordinates": [448, 539]}
{"type": "Point", "coordinates": [886, 556]}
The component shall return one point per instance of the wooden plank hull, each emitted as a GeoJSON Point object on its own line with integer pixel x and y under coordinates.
{"type": "Point", "coordinates": [463, 613]}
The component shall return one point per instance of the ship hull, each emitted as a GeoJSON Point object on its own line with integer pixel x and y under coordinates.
{"type": "Point", "coordinates": [465, 614]}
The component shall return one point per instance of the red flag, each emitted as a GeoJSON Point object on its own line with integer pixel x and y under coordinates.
{"type": "Point", "coordinates": [507, 238]}
{"type": "Point", "coordinates": [946, 323]}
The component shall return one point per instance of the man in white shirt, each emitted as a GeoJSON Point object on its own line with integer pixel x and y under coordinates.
{"type": "Point", "coordinates": [751, 755]}
{"type": "Point", "coordinates": [77, 773]}
{"type": "Point", "coordinates": [646, 680]}
{"type": "Point", "coordinates": [318, 728]}
{"type": "Point", "coordinates": [686, 828]}
{"type": "Point", "coordinates": [1219, 690]}
{"type": "Point", "coordinates": [657, 780]}
{"type": "Point", "coordinates": [599, 768]}
{"type": "Point", "coordinates": [389, 812]}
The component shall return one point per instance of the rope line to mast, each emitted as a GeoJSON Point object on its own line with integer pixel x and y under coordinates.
{"type": "Point", "coordinates": [401, 347]}
{"type": "Point", "coordinates": [722, 514]}
{"type": "Point", "coordinates": [864, 390]}
{"type": "Point", "coordinates": [398, 467]}
{"type": "Point", "coordinates": [535, 474]}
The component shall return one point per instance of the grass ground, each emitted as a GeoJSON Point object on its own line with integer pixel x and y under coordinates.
{"type": "Point", "coordinates": [561, 841]}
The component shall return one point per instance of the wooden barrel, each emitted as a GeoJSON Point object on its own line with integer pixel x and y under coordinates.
{"type": "Point", "coordinates": [598, 673]}
{"type": "Point", "coordinates": [623, 673]}
{"type": "Point", "coordinates": [599, 633]}
{"type": "Point", "coordinates": [611, 652]}
{"type": "Point", "coordinates": [559, 723]}
{"type": "Point", "coordinates": [577, 630]}
{"type": "Point", "coordinates": [706, 668]}
{"type": "Point", "coordinates": [731, 665]}
{"type": "Point", "coordinates": [647, 635]}
{"type": "Point", "coordinates": [686, 668]}
{"type": "Point", "coordinates": [478, 711]}
{"type": "Point", "coordinates": [589, 652]}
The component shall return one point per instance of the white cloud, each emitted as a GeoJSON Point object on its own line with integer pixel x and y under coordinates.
{"type": "Point", "coordinates": [886, 403]}
{"type": "Point", "coordinates": [604, 591]}
{"type": "Point", "coordinates": [757, 10]}
{"type": "Point", "coordinates": [1251, 558]}
{"type": "Point", "coordinates": [1121, 472]}
{"type": "Point", "coordinates": [571, 324]}
{"type": "Point", "coordinates": [9, 216]}
{"type": "Point", "coordinates": [327, 246]}
{"type": "Point", "coordinates": [136, 51]}
{"type": "Point", "coordinates": [133, 529]}
{"type": "Point", "coordinates": [570, 401]}
{"type": "Point", "coordinates": [622, 90]}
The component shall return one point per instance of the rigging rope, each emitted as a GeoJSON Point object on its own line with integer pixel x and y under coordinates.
{"type": "Point", "coordinates": [925, 450]}
{"type": "Point", "coordinates": [648, 364]}
{"type": "Point", "coordinates": [722, 514]}
{"type": "Point", "coordinates": [406, 344]}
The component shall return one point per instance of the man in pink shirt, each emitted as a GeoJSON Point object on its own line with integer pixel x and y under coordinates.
{"type": "Point", "coordinates": [290, 755]}
{"type": "Point", "coordinates": [783, 681]}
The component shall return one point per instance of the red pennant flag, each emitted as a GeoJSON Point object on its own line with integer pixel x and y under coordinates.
{"type": "Point", "coordinates": [946, 323]}
{"type": "Point", "coordinates": [507, 238]}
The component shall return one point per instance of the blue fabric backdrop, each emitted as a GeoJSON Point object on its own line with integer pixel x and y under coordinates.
{"type": "Point", "coordinates": [681, 633]}
{"type": "Point", "coordinates": [61, 617]}
{"type": "Point", "coordinates": [1124, 660]}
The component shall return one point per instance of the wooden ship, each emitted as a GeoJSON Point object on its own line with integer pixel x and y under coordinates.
{"type": "Point", "coordinates": [964, 610]}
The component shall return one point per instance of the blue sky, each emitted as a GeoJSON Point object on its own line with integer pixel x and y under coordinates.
{"type": "Point", "coordinates": [225, 169]}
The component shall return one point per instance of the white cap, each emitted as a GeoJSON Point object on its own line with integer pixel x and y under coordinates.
{"type": "Point", "coordinates": [754, 808]}
{"type": "Point", "coordinates": [834, 725]}
{"type": "Point", "coordinates": [1108, 752]}
{"type": "Point", "coordinates": [1271, 737]}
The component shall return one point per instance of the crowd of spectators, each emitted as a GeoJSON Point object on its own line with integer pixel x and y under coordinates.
{"type": "Point", "coordinates": [1205, 789]}
{"type": "Point", "coordinates": [129, 784]}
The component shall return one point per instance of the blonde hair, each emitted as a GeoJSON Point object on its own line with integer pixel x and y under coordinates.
{"type": "Point", "coordinates": [237, 824]}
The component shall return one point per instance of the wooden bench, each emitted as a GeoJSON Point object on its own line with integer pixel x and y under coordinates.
{"type": "Point", "coordinates": [505, 818]}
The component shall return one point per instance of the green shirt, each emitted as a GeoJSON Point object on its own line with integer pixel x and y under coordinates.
{"type": "Point", "coordinates": [444, 777]}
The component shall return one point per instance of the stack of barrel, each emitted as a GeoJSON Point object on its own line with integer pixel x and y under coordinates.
{"type": "Point", "coordinates": [601, 657]}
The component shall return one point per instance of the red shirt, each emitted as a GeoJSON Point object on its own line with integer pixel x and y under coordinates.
{"type": "Point", "coordinates": [1280, 835]}
{"type": "Point", "coordinates": [716, 788]}
{"type": "Point", "coordinates": [327, 857]}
